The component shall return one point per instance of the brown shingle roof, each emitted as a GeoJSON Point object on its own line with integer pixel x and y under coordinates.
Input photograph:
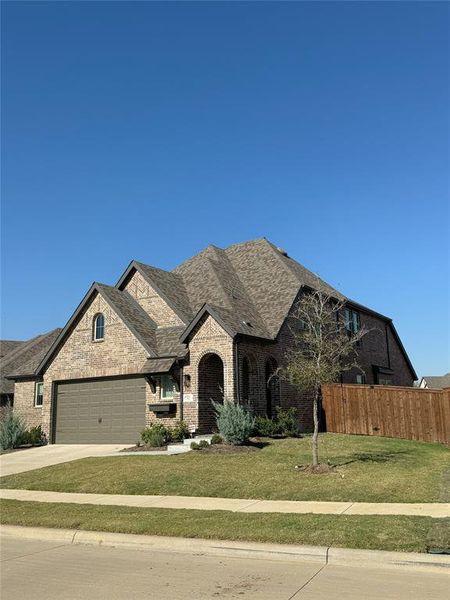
{"type": "Point", "coordinates": [437, 381]}
{"type": "Point", "coordinates": [7, 346]}
{"type": "Point", "coordinates": [24, 359]}
{"type": "Point", "coordinates": [133, 315]}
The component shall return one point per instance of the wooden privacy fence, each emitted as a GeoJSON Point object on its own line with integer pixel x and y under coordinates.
{"type": "Point", "coordinates": [390, 411]}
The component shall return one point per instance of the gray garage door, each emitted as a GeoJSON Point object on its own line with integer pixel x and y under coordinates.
{"type": "Point", "coordinates": [107, 411]}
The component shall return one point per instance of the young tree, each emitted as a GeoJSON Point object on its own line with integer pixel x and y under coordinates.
{"type": "Point", "coordinates": [324, 347]}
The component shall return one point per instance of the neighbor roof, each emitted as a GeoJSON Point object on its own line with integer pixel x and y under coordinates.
{"type": "Point", "coordinates": [24, 359]}
{"type": "Point", "coordinates": [437, 381]}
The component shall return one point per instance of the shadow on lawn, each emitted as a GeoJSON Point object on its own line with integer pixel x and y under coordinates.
{"type": "Point", "coordinates": [372, 457]}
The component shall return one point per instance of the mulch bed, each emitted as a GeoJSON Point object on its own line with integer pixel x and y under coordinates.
{"type": "Point", "coordinates": [227, 449]}
{"type": "Point", "coordinates": [143, 448]}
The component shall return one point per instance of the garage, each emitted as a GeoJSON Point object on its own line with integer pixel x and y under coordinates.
{"type": "Point", "coordinates": [106, 411]}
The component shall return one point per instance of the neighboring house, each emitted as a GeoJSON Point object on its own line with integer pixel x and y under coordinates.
{"type": "Point", "coordinates": [160, 345]}
{"type": "Point", "coordinates": [435, 381]}
{"type": "Point", "coordinates": [21, 357]}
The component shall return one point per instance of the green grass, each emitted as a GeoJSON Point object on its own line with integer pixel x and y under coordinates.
{"type": "Point", "coordinates": [408, 534]}
{"type": "Point", "coordinates": [369, 469]}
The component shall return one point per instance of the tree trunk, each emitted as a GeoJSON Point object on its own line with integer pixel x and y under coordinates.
{"type": "Point", "coordinates": [315, 437]}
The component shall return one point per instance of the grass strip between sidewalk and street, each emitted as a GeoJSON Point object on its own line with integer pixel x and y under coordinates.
{"type": "Point", "coordinates": [399, 533]}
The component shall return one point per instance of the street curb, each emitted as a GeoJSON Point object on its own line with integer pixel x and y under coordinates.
{"type": "Point", "coordinates": [241, 549]}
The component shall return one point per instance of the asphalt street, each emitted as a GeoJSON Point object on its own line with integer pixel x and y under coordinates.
{"type": "Point", "coordinates": [50, 570]}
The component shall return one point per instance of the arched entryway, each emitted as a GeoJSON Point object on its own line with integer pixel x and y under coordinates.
{"type": "Point", "coordinates": [210, 388]}
{"type": "Point", "coordinates": [272, 387]}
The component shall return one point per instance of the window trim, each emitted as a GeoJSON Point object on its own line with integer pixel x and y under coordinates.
{"type": "Point", "coordinates": [352, 320]}
{"type": "Point", "coordinates": [36, 395]}
{"type": "Point", "coordinates": [94, 328]}
{"type": "Point", "coordinates": [162, 391]}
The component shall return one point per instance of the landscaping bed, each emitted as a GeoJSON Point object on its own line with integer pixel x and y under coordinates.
{"type": "Point", "coordinates": [144, 448]}
{"type": "Point", "coordinates": [366, 469]}
{"type": "Point", "coordinates": [401, 533]}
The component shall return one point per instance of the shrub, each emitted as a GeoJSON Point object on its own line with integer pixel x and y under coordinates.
{"type": "Point", "coordinates": [12, 429]}
{"type": "Point", "coordinates": [235, 423]}
{"type": "Point", "coordinates": [180, 432]}
{"type": "Point", "coordinates": [33, 436]}
{"type": "Point", "coordinates": [203, 444]}
{"type": "Point", "coordinates": [216, 439]}
{"type": "Point", "coordinates": [37, 436]}
{"type": "Point", "coordinates": [266, 427]}
{"type": "Point", "coordinates": [195, 446]}
{"type": "Point", "coordinates": [156, 435]}
{"type": "Point", "coordinates": [287, 421]}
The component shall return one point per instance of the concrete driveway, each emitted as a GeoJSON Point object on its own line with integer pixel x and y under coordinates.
{"type": "Point", "coordinates": [53, 454]}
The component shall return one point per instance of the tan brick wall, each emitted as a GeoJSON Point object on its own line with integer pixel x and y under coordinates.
{"type": "Point", "coordinates": [154, 305]}
{"type": "Point", "coordinates": [120, 353]}
{"type": "Point", "coordinates": [208, 337]}
{"type": "Point", "coordinates": [24, 403]}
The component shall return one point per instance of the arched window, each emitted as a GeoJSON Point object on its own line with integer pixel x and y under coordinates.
{"type": "Point", "coordinates": [98, 327]}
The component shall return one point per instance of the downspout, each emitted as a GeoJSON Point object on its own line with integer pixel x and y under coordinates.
{"type": "Point", "coordinates": [387, 345]}
{"type": "Point", "coordinates": [236, 368]}
{"type": "Point", "coordinates": [181, 393]}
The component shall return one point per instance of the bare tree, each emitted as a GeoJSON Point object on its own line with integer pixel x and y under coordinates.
{"type": "Point", "coordinates": [325, 345]}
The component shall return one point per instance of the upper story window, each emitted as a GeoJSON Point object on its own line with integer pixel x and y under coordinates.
{"type": "Point", "coordinates": [360, 378]}
{"type": "Point", "coordinates": [352, 320]}
{"type": "Point", "coordinates": [39, 394]}
{"type": "Point", "coordinates": [167, 387]}
{"type": "Point", "coordinates": [98, 328]}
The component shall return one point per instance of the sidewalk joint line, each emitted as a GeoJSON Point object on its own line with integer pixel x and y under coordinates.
{"type": "Point", "coordinates": [346, 509]}
{"type": "Point", "coordinates": [242, 508]}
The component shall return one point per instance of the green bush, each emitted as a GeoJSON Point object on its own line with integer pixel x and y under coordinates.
{"type": "Point", "coordinates": [36, 436]}
{"type": "Point", "coordinates": [235, 423]}
{"type": "Point", "coordinates": [266, 427]}
{"type": "Point", "coordinates": [33, 436]}
{"type": "Point", "coordinates": [199, 445]}
{"type": "Point", "coordinates": [180, 432]}
{"type": "Point", "coordinates": [12, 428]}
{"type": "Point", "coordinates": [216, 439]}
{"type": "Point", "coordinates": [287, 421]}
{"type": "Point", "coordinates": [156, 435]}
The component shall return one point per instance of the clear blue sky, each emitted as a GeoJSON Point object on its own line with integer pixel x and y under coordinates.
{"type": "Point", "coordinates": [150, 130]}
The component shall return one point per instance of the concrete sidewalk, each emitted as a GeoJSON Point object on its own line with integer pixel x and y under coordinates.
{"type": "Point", "coordinates": [436, 510]}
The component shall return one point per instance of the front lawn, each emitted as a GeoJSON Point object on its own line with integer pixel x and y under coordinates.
{"type": "Point", "coordinates": [407, 534]}
{"type": "Point", "coordinates": [369, 469]}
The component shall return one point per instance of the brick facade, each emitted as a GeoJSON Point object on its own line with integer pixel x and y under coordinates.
{"type": "Point", "coordinates": [154, 305]}
{"type": "Point", "coordinates": [239, 364]}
